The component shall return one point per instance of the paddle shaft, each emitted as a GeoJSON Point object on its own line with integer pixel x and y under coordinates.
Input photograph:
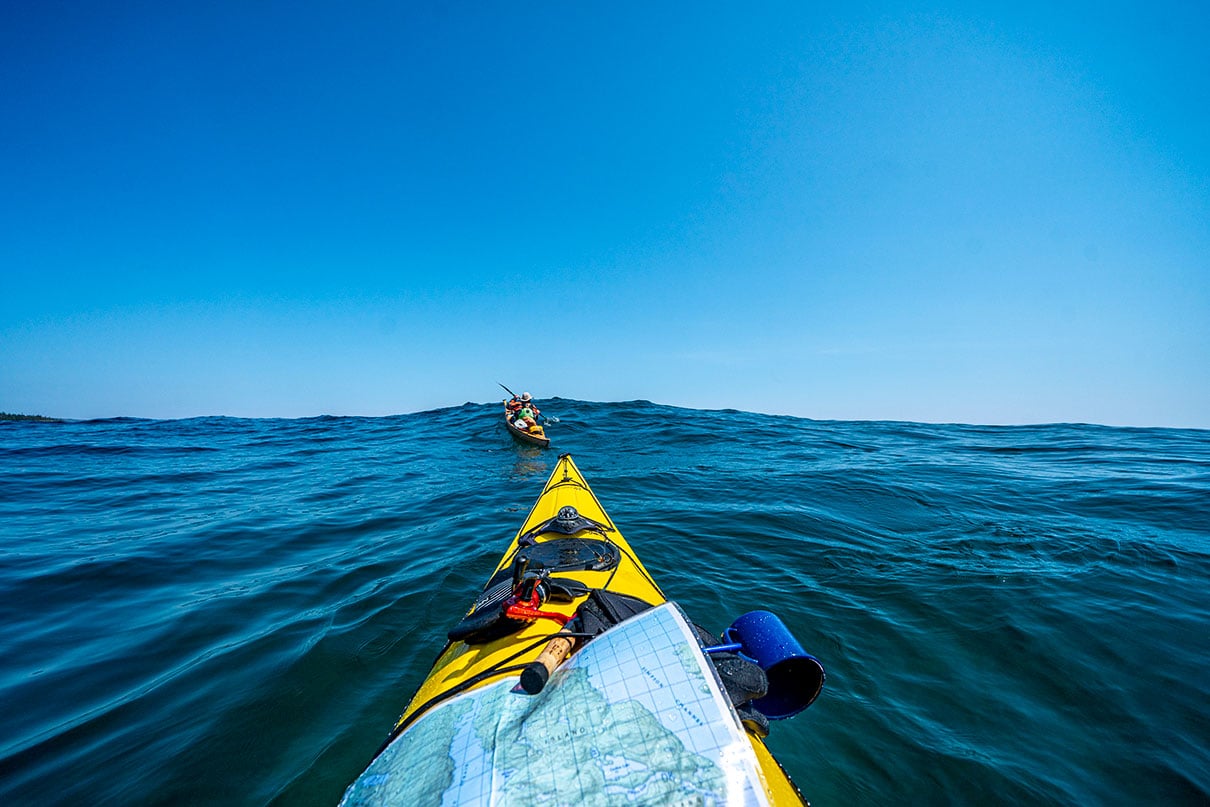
{"type": "Point", "coordinates": [537, 672]}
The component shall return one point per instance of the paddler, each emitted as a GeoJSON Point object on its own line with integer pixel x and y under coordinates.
{"type": "Point", "coordinates": [522, 402]}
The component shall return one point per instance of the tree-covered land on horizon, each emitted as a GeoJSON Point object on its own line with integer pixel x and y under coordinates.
{"type": "Point", "coordinates": [38, 418]}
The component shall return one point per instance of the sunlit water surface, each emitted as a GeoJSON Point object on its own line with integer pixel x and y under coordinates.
{"type": "Point", "coordinates": [236, 611]}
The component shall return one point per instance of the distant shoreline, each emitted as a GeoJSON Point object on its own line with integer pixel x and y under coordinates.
{"type": "Point", "coordinates": [35, 418]}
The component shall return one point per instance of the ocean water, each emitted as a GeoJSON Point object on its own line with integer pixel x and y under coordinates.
{"type": "Point", "coordinates": [233, 611]}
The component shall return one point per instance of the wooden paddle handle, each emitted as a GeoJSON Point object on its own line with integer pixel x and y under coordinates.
{"type": "Point", "coordinates": [535, 675]}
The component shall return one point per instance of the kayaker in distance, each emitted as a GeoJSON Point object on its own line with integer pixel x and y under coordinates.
{"type": "Point", "coordinates": [521, 417]}
{"type": "Point", "coordinates": [524, 408]}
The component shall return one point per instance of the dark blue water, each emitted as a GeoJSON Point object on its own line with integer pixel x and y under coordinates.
{"type": "Point", "coordinates": [236, 611]}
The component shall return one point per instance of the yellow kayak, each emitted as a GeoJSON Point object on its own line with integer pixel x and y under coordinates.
{"type": "Point", "coordinates": [573, 680]}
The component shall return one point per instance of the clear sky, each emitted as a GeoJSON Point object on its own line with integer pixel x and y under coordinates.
{"type": "Point", "coordinates": [982, 213]}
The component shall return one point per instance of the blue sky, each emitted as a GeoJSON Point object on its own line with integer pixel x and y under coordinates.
{"type": "Point", "coordinates": [965, 213]}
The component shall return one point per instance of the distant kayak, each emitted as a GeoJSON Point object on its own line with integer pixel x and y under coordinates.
{"type": "Point", "coordinates": [534, 435]}
{"type": "Point", "coordinates": [646, 710]}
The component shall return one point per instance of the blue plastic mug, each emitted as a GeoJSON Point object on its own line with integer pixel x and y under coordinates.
{"type": "Point", "coordinates": [795, 676]}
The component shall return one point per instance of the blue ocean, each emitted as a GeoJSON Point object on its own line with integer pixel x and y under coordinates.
{"type": "Point", "coordinates": [229, 611]}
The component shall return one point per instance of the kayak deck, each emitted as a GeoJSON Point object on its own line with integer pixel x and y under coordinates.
{"type": "Point", "coordinates": [566, 487]}
{"type": "Point", "coordinates": [570, 539]}
{"type": "Point", "coordinates": [533, 438]}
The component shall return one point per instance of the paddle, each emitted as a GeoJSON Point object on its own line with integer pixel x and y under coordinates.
{"type": "Point", "coordinates": [536, 673]}
{"type": "Point", "coordinates": [545, 418]}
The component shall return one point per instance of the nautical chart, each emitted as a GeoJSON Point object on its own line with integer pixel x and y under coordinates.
{"type": "Point", "coordinates": [635, 717]}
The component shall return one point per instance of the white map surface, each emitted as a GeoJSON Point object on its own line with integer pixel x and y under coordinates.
{"type": "Point", "coordinates": [636, 717]}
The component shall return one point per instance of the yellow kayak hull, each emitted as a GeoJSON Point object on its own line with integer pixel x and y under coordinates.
{"type": "Point", "coordinates": [462, 667]}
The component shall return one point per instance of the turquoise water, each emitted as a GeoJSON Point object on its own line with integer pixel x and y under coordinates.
{"type": "Point", "coordinates": [236, 611]}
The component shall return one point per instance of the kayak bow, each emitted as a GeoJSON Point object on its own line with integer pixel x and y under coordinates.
{"type": "Point", "coordinates": [638, 714]}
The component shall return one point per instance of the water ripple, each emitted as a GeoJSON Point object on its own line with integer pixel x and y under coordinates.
{"type": "Point", "coordinates": [235, 611]}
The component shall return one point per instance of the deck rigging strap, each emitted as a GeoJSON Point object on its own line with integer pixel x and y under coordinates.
{"type": "Point", "coordinates": [568, 521]}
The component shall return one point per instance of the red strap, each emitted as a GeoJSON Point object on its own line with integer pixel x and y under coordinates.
{"type": "Point", "coordinates": [514, 608]}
